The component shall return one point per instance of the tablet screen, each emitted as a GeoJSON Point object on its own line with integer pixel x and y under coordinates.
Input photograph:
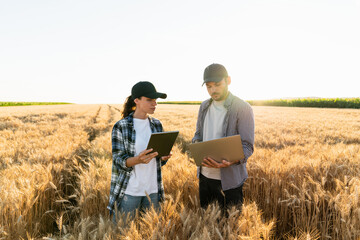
{"type": "Point", "coordinates": [162, 142]}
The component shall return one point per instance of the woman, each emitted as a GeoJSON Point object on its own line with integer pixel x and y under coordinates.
{"type": "Point", "coordinates": [136, 172]}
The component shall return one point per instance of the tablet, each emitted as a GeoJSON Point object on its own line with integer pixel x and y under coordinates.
{"type": "Point", "coordinates": [227, 148]}
{"type": "Point", "coordinates": [162, 142]}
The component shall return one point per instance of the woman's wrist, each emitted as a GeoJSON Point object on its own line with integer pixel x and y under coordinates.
{"type": "Point", "coordinates": [136, 160]}
{"type": "Point", "coordinates": [132, 161]}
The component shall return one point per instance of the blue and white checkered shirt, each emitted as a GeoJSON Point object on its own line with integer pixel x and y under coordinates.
{"type": "Point", "coordinates": [123, 147]}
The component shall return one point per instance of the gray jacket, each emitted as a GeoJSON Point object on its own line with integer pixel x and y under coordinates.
{"type": "Point", "coordinates": [239, 119]}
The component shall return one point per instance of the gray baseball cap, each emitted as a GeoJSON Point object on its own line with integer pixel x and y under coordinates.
{"type": "Point", "coordinates": [214, 73]}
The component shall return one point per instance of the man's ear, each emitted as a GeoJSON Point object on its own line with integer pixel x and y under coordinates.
{"type": "Point", "coordinates": [136, 100]}
{"type": "Point", "coordinates": [228, 80]}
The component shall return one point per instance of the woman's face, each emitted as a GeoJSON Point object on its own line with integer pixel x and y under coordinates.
{"type": "Point", "coordinates": [146, 105]}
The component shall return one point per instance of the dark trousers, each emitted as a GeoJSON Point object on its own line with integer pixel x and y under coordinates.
{"type": "Point", "coordinates": [210, 191]}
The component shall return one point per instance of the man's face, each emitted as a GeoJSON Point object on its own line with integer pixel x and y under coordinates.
{"type": "Point", "coordinates": [218, 90]}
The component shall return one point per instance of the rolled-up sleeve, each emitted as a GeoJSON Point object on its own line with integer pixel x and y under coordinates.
{"type": "Point", "coordinates": [246, 128]}
{"type": "Point", "coordinates": [119, 152]}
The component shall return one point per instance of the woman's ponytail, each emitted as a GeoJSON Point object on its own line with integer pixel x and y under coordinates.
{"type": "Point", "coordinates": [129, 107]}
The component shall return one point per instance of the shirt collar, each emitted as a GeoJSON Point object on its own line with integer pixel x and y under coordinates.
{"type": "Point", "coordinates": [130, 119]}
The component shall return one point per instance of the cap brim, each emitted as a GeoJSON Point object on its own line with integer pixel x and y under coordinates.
{"type": "Point", "coordinates": [156, 95]}
{"type": "Point", "coordinates": [213, 79]}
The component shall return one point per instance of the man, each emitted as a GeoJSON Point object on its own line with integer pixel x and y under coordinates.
{"type": "Point", "coordinates": [220, 116]}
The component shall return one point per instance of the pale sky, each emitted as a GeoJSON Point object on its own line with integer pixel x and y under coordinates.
{"type": "Point", "coordinates": [95, 51]}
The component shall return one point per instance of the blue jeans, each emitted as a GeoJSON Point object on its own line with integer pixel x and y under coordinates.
{"type": "Point", "coordinates": [129, 204]}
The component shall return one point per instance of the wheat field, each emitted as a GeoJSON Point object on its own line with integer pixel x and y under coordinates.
{"type": "Point", "coordinates": [55, 165]}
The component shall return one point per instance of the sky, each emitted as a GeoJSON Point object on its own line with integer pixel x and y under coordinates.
{"type": "Point", "coordinates": [95, 51]}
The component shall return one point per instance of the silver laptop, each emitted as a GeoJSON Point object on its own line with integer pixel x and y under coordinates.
{"type": "Point", "coordinates": [227, 148]}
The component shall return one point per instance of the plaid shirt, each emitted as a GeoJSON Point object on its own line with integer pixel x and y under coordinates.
{"type": "Point", "coordinates": [123, 147]}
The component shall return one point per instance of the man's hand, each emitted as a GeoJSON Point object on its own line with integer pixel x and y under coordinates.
{"type": "Point", "coordinates": [211, 163]}
{"type": "Point", "coordinates": [164, 158]}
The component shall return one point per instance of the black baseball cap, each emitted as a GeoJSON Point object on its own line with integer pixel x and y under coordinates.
{"type": "Point", "coordinates": [214, 73]}
{"type": "Point", "coordinates": [146, 89]}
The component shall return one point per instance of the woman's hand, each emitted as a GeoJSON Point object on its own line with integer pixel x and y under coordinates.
{"type": "Point", "coordinates": [145, 156]}
{"type": "Point", "coordinates": [164, 158]}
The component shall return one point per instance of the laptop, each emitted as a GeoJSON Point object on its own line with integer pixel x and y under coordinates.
{"type": "Point", "coordinates": [227, 148]}
{"type": "Point", "coordinates": [162, 142]}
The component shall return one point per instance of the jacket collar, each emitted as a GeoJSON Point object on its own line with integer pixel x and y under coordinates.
{"type": "Point", "coordinates": [228, 100]}
{"type": "Point", "coordinates": [227, 103]}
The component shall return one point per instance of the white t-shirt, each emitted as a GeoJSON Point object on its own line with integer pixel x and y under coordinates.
{"type": "Point", "coordinates": [143, 178]}
{"type": "Point", "coordinates": [213, 125]}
